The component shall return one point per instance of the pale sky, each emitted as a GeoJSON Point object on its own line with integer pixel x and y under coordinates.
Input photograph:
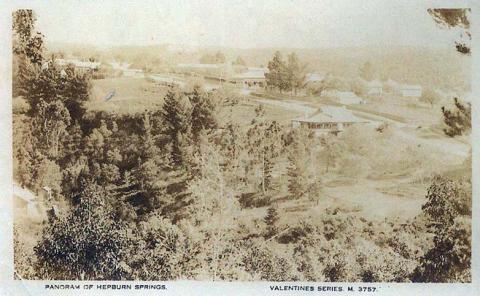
{"type": "Point", "coordinates": [242, 23]}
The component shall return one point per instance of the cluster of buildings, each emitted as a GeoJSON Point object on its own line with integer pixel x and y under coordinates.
{"type": "Point", "coordinates": [242, 76]}
{"type": "Point", "coordinates": [250, 78]}
{"type": "Point", "coordinates": [254, 78]}
{"type": "Point", "coordinates": [375, 88]}
{"type": "Point", "coordinates": [89, 66]}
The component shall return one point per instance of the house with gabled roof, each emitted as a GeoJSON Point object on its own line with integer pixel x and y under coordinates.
{"type": "Point", "coordinates": [411, 90]}
{"type": "Point", "coordinates": [374, 88]}
{"type": "Point", "coordinates": [328, 119]}
{"type": "Point", "coordinates": [252, 77]}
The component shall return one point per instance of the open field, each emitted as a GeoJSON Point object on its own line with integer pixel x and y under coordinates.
{"type": "Point", "coordinates": [131, 95]}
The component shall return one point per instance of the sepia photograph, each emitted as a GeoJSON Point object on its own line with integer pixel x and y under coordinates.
{"type": "Point", "coordinates": [242, 141]}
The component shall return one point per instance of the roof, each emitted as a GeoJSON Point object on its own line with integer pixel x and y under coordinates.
{"type": "Point", "coordinates": [252, 73]}
{"type": "Point", "coordinates": [119, 66]}
{"type": "Point", "coordinates": [330, 114]}
{"type": "Point", "coordinates": [200, 66]}
{"type": "Point", "coordinates": [78, 63]}
{"type": "Point", "coordinates": [374, 83]}
{"type": "Point", "coordinates": [133, 70]}
{"type": "Point", "coordinates": [411, 87]}
{"type": "Point", "coordinates": [166, 79]}
{"type": "Point", "coordinates": [346, 95]}
{"type": "Point", "coordinates": [315, 77]}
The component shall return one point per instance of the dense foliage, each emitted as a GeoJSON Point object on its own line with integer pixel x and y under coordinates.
{"type": "Point", "coordinates": [287, 75]}
{"type": "Point", "coordinates": [458, 120]}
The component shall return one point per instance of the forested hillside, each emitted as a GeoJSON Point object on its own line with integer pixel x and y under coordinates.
{"type": "Point", "coordinates": [181, 191]}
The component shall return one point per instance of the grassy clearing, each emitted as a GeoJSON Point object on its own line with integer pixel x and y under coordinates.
{"type": "Point", "coordinates": [244, 113]}
{"type": "Point", "coordinates": [131, 95]}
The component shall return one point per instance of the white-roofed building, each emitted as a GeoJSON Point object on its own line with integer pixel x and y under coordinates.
{"type": "Point", "coordinates": [314, 78]}
{"type": "Point", "coordinates": [412, 91]}
{"type": "Point", "coordinates": [211, 71]}
{"type": "Point", "coordinates": [119, 66]}
{"type": "Point", "coordinates": [374, 88]}
{"type": "Point", "coordinates": [251, 78]}
{"type": "Point", "coordinates": [79, 65]}
{"type": "Point", "coordinates": [167, 80]}
{"type": "Point", "coordinates": [328, 119]}
{"type": "Point", "coordinates": [391, 86]}
{"type": "Point", "coordinates": [133, 73]}
{"type": "Point", "coordinates": [348, 98]}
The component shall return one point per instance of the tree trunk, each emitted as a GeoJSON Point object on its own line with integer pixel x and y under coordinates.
{"type": "Point", "coordinates": [263, 172]}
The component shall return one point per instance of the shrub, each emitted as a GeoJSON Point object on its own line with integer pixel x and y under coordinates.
{"type": "Point", "coordinates": [87, 243]}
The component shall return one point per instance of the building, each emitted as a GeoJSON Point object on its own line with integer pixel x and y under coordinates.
{"type": "Point", "coordinates": [167, 80]}
{"type": "Point", "coordinates": [209, 71]}
{"type": "Point", "coordinates": [411, 91]}
{"type": "Point", "coordinates": [348, 98]}
{"type": "Point", "coordinates": [312, 79]}
{"type": "Point", "coordinates": [251, 78]}
{"type": "Point", "coordinates": [79, 65]}
{"type": "Point", "coordinates": [125, 70]}
{"type": "Point", "coordinates": [374, 88]}
{"type": "Point", "coordinates": [328, 119]}
{"type": "Point", "coordinates": [119, 66]}
{"type": "Point", "coordinates": [391, 86]}
{"type": "Point", "coordinates": [133, 73]}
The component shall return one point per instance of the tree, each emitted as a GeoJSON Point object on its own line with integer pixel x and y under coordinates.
{"type": "Point", "coordinates": [161, 251]}
{"type": "Point", "coordinates": [430, 96]}
{"type": "Point", "coordinates": [50, 125]}
{"type": "Point", "coordinates": [26, 41]}
{"type": "Point", "coordinates": [455, 17]}
{"type": "Point", "coordinates": [367, 72]}
{"type": "Point", "coordinates": [27, 48]}
{"type": "Point", "coordinates": [203, 113]}
{"type": "Point", "coordinates": [152, 173]}
{"type": "Point", "coordinates": [328, 83]}
{"type": "Point", "coordinates": [332, 149]}
{"type": "Point", "coordinates": [458, 120]}
{"type": "Point", "coordinates": [87, 243]}
{"type": "Point", "coordinates": [303, 178]}
{"type": "Point", "coordinates": [296, 73]}
{"type": "Point", "coordinates": [449, 222]}
{"type": "Point", "coordinates": [358, 87]}
{"type": "Point", "coordinates": [277, 76]}
{"type": "Point", "coordinates": [214, 210]}
{"type": "Point", "coordinates": [72, 89]}
{"type": "Point", "coordinates": [217, 58]}
{"type": "Point", "coordinates": [75, 92]}
{"type": "Point", "coordinates": [263, 146]}
{"type": "Point", "coordinates": [271, 219]}
{"type": "Point", "coordinates": [231, 144]}
{"type": "Point", "coordinates": [176, 114]}
{"type": "Point", "coordinates": [239, 61]}
{"type": "Point", "coordinates": [49, 174]}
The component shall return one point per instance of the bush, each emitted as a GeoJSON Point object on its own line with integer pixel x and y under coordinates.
{"type": "Point", "coordinates": [87, 243]}
{"type": "Point", "coordinates": [262, 264]}
{"type": "Point", "coordinates": [449, 259]}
